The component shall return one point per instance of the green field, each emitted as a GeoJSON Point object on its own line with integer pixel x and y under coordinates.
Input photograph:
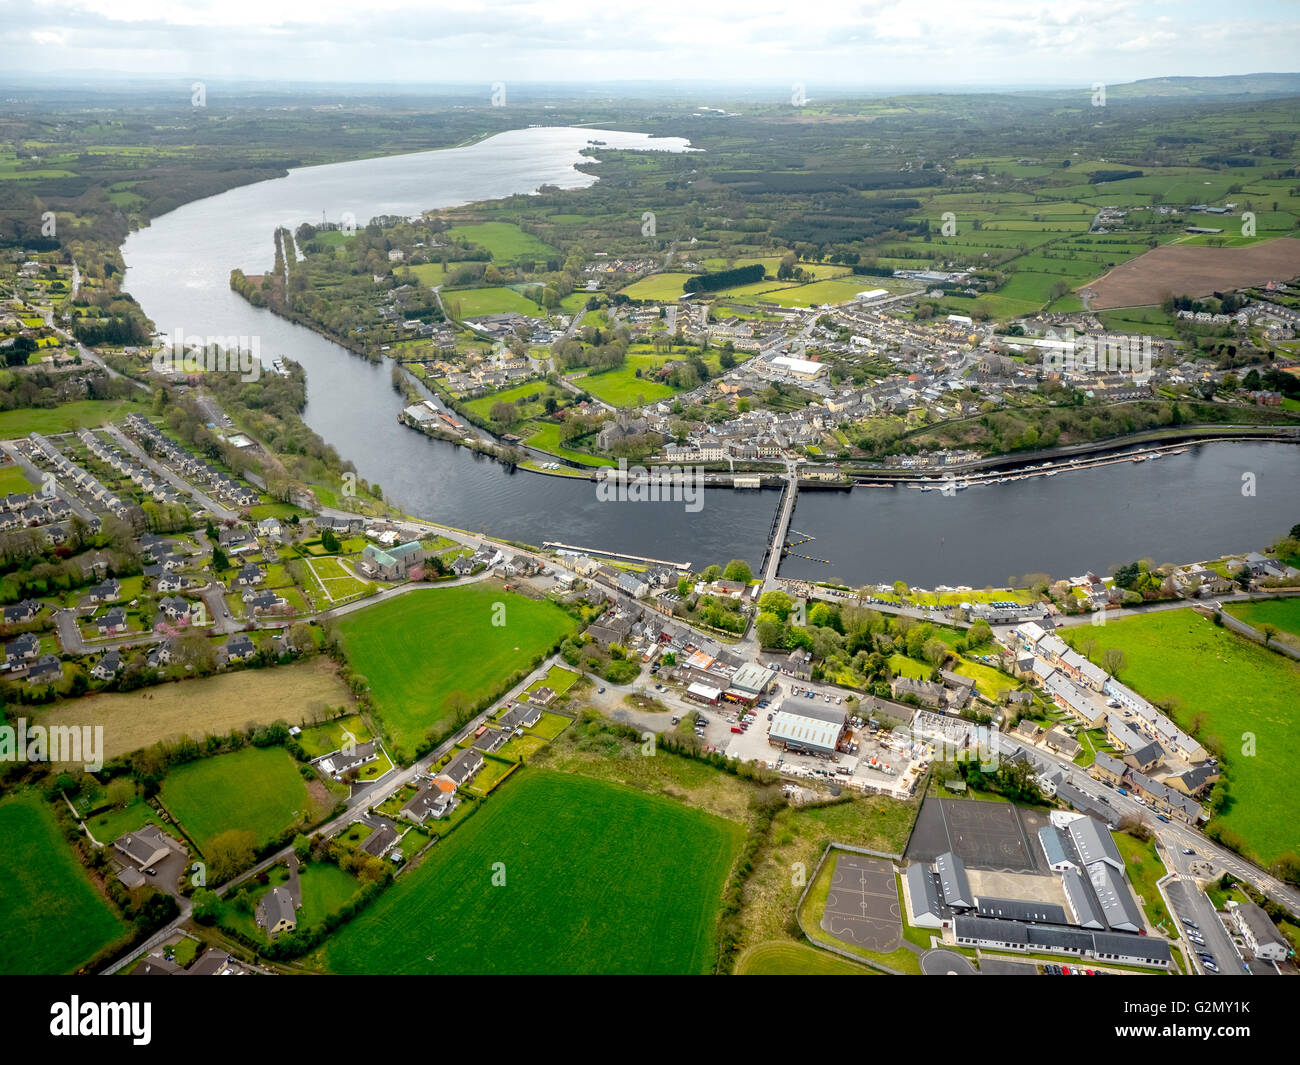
{"type": "Point", "coordinates": [258, 790]}
{"type": "Point", "coordinates": [13, 480]}
{"type": "Point", "coordinates": [598, 879]}
{"type": "Point", "coordinates": [51, 919]}
{"type": "Point", "coordinates": [81, 414]}
{"type": "Point", "coordinates": [1230, 688]}
{"type": "Point", "coordinates": [1282, 614]}
{"type": "Point", "coordinates": [504, 240]}
{"type": "Point", "coordinates": [795, 959]}
{"type": "Point", "coordinates": [423, 652]}
{"type": "Point", "coordinates": [473, 302]}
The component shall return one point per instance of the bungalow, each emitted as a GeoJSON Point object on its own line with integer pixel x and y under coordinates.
{"type": "Point", "coordinates": [542, 696]}
{"type": "Point", "coordinates": [240, 648]}
{"type": "Point", "coordinates": [146, 848]}
{"type": "Point", "coordinates": [436, 799]}
{"type": "Point", "coordinates": [491, 739]}
{"type": "Point", "coordinates": [461, 769]}
{"type": "Point", "coordinates": [353, 756]}
{"type": "Point", "coordinates": [463, 566]}
{"type": "Point", "coordinates": [525, 715]}
{"type": "Point", "coordinates": [379, 841]}
{"type": "Point", "coordinates": [236, 540]}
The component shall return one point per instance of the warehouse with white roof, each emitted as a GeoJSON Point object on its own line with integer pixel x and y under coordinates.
{"type": "Point", "coordinates": [806, 726]}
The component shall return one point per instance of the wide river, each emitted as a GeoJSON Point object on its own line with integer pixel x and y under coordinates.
{"type": "Point", "coordinates": [1177, 509]}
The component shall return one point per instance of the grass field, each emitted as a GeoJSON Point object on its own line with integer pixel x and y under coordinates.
{"type": "Point", "coordinates": [423, 651]}
{"type": "Point", "coordinates": [472, 302]}
{"type": "Point", "coordinates": [1144, 869]}
{"type": "Point", "coordinates": [1282, 614]}
{"type": "Point", "coordinates": [504, 240]}
{"type": "Point", "coordinates": [51, 918]}
{"type": "Point", "coordinates": [782, 958]}
{"type": "Point", "coordinates": [82, 414]}
{"type": "Point", "coordinates": [258, 790]}
{"type": "Point", "coordinates": [598, 879]}
{"type": "Point", "coordinates": [12, 480]}
{"type": "Point", "coordinates": [210, 706]}
{"type": "Point", "coordinates": [1229, 688]}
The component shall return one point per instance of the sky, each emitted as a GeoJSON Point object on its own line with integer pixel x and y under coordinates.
{"type": "Point", "coordinates": [888, 44]}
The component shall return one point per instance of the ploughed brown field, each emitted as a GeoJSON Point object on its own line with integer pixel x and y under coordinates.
{"type": "Point", "coordinates": [1194, 270]}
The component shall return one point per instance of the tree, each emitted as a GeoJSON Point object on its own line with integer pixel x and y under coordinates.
{"type": "Point", "coordinates": [777, 603]}
{"type": "Point", "coordinates": [207, 907]}
{"type": "Point", "coordinates": [1114, 660]}
{"type": "Point", "coordinates": [229, 853]}
{"type": "Point", "coordinates": [219, 561]}
{"type": "Point", "coordinates": [329, 541]}
{"type": "Point", "coordinates": [1268, 631]}
{"type": "Point", "coordinates": [302, 847]}
{"type": "Point", "coordinates": [711, 574]}
{"type": "Point", "coordinates": [738, 570]}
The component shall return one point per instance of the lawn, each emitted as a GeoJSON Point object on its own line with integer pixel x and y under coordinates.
{"type": "Point", "coordinates": [322, 739]}
{"type": "Point", "coordinates": [1228, 688]}
{"type": "Point", "coordinates": [325, 888]}
{"type": "Point", "coordinates": [296, 693]}
{"type": "Point", "coordinates": [782, 958]}
{"type": "Point", "coordinates": [53, 920]}
{"type": "Point", "coordinates": [428, 652]}
{"type": "Point", "coordinates": [258, 790]}
{"type": "Point", "coordinates": [598, 878]}
{"type": "Point", "coordinates": [657, 287]}
{"type": "Point", "coordinates": [114, 823]}
{"type": "Point", "coordinates": [557, 678]}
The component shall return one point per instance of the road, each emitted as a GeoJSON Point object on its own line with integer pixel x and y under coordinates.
{"type": "Point", "coordinates": [1190, 902]}
{"type": "Point", "coordinates": [136, 452]}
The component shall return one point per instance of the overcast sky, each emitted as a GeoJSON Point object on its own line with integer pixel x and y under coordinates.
{"type": "Point", "coordinates": [887, 43]}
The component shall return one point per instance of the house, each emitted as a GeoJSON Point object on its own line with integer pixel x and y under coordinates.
{"type": "Point", "coordinates": [461, 769]}
{"type": "Point", "coordinates": [250, 573]}
{"type": "Point", "coordinates": [379, 841]}
{"type": "Point", "coordinates": [525, 715]}
{"type": "Point", "coordinates": [270, 529]}
{"type": "Point", "coordinates": [264, 603]}
{"type": "Point", "coordinates": [491, 739]}
{"type": "Point", "coordinates": [1073, 700]}
{"type": "Point", "coordinates": [542, 696]}
{"type": "Point", "coordinates": [1145, 758]}
{"type": "Point", "coordinates": [1163, 799]}
{"type": "Point", "coordinates": [1108, 769]}
{"type": "Point", "coordinates": [107, 667]}
{"type": "Point", "coordinates": [161, 655]}
{"type": "Point", "coordinates": [436, 799]}
{"type": "Point", "coordinates": [352, 756]}
{"type": "Point", "coordinates": [276, 912]}
{"type": "Point", "coordinates": [1028, 731]}
{"type": "Point", "coordinates": [105, 592]}
{"type": "Point", "coordinates": [22, 613]}
{"type": "Point", "coordinates": [1260, 934]}
{"type": "Point", "coordinates": [925, 691]}
{"type": "Point", "coordinates": [240, 648]}
{"type": "Point", "coordinates": [1062, 743]}
{"type": "Point", "coordinates": [146, 848]}
{"type": "Point", "coordinates": [112, 621]}
{"type": "Point", "coordinates": [1194, 782]}
{"type": "Point", "coordinates": [463, 566]}
{"type": "Point", "coordinates": [175, 608]}
{"type": "Point", "coordinates": [21, 650]}
{"type": "Point", "coordinates": [45, 669]}
{"type": "Point", "coordinates": [633, 584]}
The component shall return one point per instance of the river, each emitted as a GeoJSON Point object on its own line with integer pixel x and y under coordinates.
{"type": "Point", "coordinates": [1178, 508]}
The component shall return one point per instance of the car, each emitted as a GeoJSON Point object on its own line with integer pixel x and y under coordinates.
{"type": "Point", "coordinates": [838, 700]}
{"type": "Point", "coordinates": [676, 719]}
{"type": "Point", "coordinates": [1065, 969]}
{"type": "Point", "coordinates": [1162, 817]}
{"type": "Point", "coordinates": [769, 717]}
{"type": "Point", "coordinates": [1188, 850]}
{"type": "Point", "coordinates": [1190, 924]}
{"type": "Point", "coordinates": [600, 691]}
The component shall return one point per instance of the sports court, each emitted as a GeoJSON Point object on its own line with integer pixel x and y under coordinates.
{"type": "Point", "coordinates": [862, 906]}
{"type": "Point", "coordinates": [985, 835]}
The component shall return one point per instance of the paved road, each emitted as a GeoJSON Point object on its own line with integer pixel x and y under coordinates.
{"type": "Point", "coordinates": [174, 479]}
